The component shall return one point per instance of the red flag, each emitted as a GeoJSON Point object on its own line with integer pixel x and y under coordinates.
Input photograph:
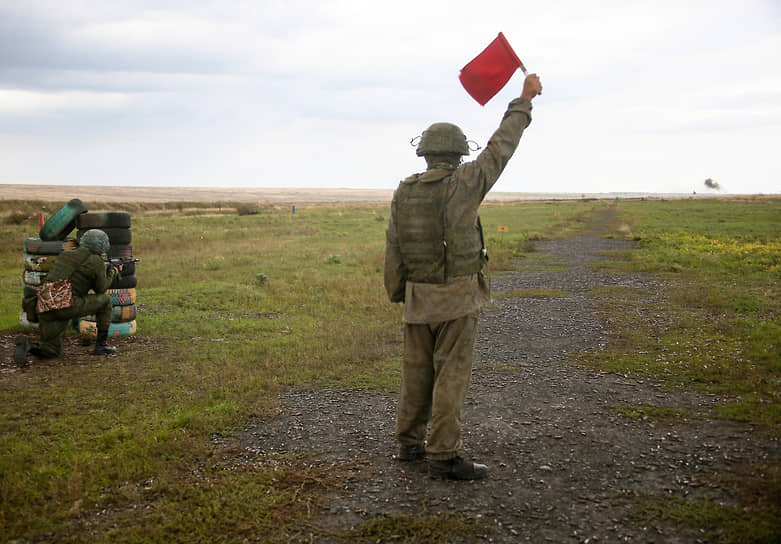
{"type": "Point", "coordinates": [489, 71]}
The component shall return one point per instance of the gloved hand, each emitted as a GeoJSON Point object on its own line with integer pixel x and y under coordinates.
{"type": "Point", "coordinates": [111, 272]}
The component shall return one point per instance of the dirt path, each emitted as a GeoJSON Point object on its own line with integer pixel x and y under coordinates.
{"type": "Point", "coordinates": [565, 466]}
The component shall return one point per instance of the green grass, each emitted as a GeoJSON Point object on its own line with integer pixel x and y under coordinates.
{"type": "Point", "coordinates": [219, 502]}
{"type": "Point", "coordinates": [528, 222]}
{"type": "Point", "coordinates": [407, 529]}
{"type": "Point", "coordinates": [653, 414]}
{"type": "Point", "coordinates": [716, 326]}
{"type": "Point", "coordinates": [234, 309]}
{"type": "Point", "coordinates": [716, 522]}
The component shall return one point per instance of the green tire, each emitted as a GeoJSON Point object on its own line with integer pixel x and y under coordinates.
{"type": "Point", "coordinates": [63, 221]}
{"type": "Point", "coordinates": [36, 246]}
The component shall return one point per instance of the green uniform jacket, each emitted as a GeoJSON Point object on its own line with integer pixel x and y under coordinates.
{"type": "Point", "coordinates": [467, 187]}
{"type": "Point", "coordinates": [84, 269]}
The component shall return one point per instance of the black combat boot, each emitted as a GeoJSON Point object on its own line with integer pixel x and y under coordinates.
{"type": "Point", "coordinates": [101, 348]}
{"type": "Point", "coordinates": [35, 349]}
{"type": "Point", "coordinates": [22, 349]}
{"type": "Point", "coordinates": [414, 452]}
{"type": "Point", "coordinates": [456, 469]}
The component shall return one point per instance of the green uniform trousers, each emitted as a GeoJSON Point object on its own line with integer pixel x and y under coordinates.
{"type": "Point", "coordinates": [53, 324]}
{"type": "Point", "coordinates": [436, 374]}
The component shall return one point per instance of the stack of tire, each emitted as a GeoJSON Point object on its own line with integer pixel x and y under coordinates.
{"type": "Point", "coordinates": [41, 253]}
{"type": "Point", "coordinates": [122, 291]}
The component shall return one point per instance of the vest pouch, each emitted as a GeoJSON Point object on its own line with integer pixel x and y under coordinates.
{"type": "Point", "coordinates": [56, 295]}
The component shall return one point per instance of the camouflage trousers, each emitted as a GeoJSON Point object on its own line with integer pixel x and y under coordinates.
{"type": "Point", "coordinates": [436, 374]}
{"type": "Point", "coordinates": [54, 324]}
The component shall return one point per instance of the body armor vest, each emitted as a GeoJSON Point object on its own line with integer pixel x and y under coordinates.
{"type": "Point", "coordinates": [433, 250]}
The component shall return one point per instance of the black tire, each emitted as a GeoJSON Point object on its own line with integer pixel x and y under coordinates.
{"type": "Point", "coordinates": [116, 235]}
{"type": "Point", "coordinates": [63, 221]}
{"type": "Point", "coordinates": [103, 220]}
{"type": "Point", "coordinates": [125, 282]}
{"type": "Point", "coordinates": [120, 251]}
{"type": "Point", "coordinates": [36, 246]}
{"type": "Point", "coordinates": [29, 291]}
{"type": "Point", "coordinates": [128, 269]}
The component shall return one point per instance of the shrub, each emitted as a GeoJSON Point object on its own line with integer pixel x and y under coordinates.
{"type": "Point", "coordinates": [248, 209]}
{"type": "Point", "coordinates": [214, 263]}
{"type": "Point", "coordinates": [16, 218]}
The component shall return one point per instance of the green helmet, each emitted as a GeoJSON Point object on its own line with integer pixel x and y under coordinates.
{"type": "Point", "coordinates": [442, 138]}
{"type": "Point", "coordinates": [95, 240]}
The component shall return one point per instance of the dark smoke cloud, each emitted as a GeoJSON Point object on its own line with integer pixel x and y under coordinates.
{"type": "Point", "coordinates": [710, 184]}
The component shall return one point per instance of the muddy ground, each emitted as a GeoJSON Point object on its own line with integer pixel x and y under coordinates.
{"type": "Point", "coordinates": [565, 465]}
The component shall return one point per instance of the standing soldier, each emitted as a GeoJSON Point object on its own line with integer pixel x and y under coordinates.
{"type": "Point", "coordinates": [433, 259]}
{"type": "Point", "coordinates": [85, 269]}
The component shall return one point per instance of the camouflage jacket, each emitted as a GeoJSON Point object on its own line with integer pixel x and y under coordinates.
{"type": "Point", "coordinates": [467, 187]}
{"type": "Point", "coordinates": [84, 269]}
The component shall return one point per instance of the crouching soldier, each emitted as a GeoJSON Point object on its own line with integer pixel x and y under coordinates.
{"type": "Point", "coordinates": [84, 269]}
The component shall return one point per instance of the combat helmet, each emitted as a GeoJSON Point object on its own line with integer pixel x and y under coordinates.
{"type": "Point", "coordinates": [95, 240]}
{"type": "Point", "coordinates": [442, 138]}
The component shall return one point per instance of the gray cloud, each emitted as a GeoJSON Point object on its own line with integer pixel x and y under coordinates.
{"type": "Point", "coordinates": [200, 92]}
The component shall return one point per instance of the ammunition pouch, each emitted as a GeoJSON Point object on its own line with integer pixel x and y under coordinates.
{"type": "Point", "coordinates": [55, 295]}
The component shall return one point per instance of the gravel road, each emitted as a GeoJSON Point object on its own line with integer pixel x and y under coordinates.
{"type": "Point", "coordinates": [565, 466]}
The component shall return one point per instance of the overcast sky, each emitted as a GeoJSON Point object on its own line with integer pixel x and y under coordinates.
{"type": "Point", "coordinates": [639, 96]}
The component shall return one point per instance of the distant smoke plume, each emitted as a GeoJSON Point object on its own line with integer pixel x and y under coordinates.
{"type": "Point", "coordinates": [710, 184]}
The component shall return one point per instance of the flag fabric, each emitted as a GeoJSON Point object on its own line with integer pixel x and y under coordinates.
{"type": "Point", "coordinates": [489, 71]}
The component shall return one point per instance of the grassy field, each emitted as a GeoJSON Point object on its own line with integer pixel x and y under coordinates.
{"type": "Point", "coordinates": [235, 308]}
{"type": "Point", "coordinates": [721, 331]}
